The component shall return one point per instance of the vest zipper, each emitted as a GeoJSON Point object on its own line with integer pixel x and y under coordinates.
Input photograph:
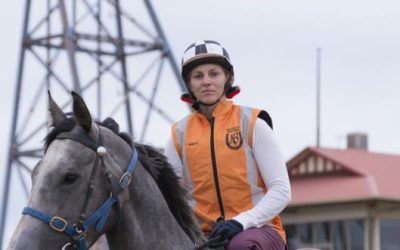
{"type": "Point", "coordinates": [215, 172]}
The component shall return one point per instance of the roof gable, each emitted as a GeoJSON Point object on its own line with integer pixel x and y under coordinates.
{"type": "Point", "coordinates": [310, 163]}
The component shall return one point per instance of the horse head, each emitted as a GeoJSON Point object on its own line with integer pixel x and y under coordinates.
{"type": "Point", "coordinates": [81, 189]}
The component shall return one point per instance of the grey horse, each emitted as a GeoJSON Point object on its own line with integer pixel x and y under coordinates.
{"type": "Point", "coordinates": [82, 189]}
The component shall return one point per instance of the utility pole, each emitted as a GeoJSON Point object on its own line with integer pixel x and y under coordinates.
{"type": "Point", "coordinates": [318, 81]}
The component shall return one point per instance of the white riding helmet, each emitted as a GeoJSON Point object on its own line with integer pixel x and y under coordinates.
{"type": "Point", "coordinates": [203, 52]}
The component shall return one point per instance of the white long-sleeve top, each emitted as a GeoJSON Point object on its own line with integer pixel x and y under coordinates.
{"type": "Point", "coordinates": [272, 167]}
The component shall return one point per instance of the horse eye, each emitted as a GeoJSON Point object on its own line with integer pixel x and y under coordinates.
{"type": "Point", "coordinates": [70, 178]}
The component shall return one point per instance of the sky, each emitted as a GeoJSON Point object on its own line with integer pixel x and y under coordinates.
{"type": "Point", "coordinates": [272, 45]}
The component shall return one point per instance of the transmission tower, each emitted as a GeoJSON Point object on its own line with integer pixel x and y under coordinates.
{"type": "Point", "coordinates": [98, 49]}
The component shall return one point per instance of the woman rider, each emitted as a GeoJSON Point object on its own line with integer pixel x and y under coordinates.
{"type": "Point", "coordinates": [228, 157]}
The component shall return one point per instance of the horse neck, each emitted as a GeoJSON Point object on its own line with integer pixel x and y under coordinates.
{"type": "Point", "coordinates": [145, 220]}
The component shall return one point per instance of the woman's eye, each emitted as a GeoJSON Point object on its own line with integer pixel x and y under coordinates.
{"type": "Point", "coordinates": [197, 76]}
{"type": "Point", "coordinates": [70, 178]}
{"type": "Point", "coordinates": [214, 74]}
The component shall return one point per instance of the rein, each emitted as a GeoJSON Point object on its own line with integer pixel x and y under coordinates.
{"type": "Point", "coordinates": [207, 244]}
{"type": "Point", "coordinates": [77, 231]}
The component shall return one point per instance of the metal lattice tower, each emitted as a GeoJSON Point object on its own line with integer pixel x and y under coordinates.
{"type": "Point", "coordinates": [98, 49]}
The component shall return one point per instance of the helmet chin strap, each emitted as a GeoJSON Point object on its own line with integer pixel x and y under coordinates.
{"type": "Point", "coordinates": [197, 102]}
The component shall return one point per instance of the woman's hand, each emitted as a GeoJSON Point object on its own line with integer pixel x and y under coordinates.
{"type": "Point", "coordinates": [225, 231]}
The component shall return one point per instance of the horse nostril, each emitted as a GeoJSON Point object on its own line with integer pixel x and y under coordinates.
{"type": "Point", "coordinates": [70, 178]}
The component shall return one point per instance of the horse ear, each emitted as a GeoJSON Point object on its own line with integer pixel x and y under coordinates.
{"type": "Point", "coordinates": [81, 111]}
{"type": "Point", "coordinates": [56, 114]}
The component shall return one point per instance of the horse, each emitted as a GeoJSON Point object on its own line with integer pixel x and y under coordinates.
{"type": "Point", "coordinates": [93, 180]}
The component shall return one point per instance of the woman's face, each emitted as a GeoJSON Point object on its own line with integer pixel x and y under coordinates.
{"type": "Point", "coordinates": [207, 82]}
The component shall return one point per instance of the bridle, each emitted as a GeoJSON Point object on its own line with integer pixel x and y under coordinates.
{"type": "Point", "coordinates": [78, 231]}
{"type": "Point", "coordinates": [98, 218]}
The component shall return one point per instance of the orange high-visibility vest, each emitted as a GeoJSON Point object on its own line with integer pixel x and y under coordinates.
{"type": "Point", "coordinates": [220, 151]}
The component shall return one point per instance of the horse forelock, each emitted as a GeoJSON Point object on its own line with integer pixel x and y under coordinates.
{"type": "Point", "coordinates": [64, 126]}
{"type": "Point", "coordinates": [69, 123]}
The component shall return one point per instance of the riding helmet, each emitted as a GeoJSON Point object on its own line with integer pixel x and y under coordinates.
{"type": "Point", "coordinates": [202, 52]}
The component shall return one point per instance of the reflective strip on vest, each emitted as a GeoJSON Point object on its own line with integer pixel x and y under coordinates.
{"type": "Point", "coordinates": [179, 133]}
{"type": "Point", "coordinates": [252, 169]}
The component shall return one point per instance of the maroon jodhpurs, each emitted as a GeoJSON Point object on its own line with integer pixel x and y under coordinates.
{"type": "Point", "coordinates": [263, 238]}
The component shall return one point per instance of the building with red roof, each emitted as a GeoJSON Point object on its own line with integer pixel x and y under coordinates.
{"type": "Point", "coordinates": [343, 199]}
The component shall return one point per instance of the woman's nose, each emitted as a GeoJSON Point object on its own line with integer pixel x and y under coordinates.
{"type": "Point", "coordinates": [206, 80]}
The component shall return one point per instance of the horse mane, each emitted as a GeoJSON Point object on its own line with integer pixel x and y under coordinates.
{"type": "Point", "coordinates": [168, 182]}
{"type": "Point", "coordinates": [157, 165]}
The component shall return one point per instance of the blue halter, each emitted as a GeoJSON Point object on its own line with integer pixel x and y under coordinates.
{"type": "Point", "coordinates": [98, 217]}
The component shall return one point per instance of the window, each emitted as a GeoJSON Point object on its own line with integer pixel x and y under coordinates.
{"type": "Point", "coordinates": [327, 235]}
{"type": "Point", "coordinates": [390, 239]}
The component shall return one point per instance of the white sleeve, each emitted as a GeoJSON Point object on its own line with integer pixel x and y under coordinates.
{"type": "Point", "coordinates": [272, 167]}
{"type": "Point", "coordinates": [173, 157]}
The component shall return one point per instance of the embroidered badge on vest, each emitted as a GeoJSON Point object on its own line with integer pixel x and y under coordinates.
{"type": "Point", "coordinates": [233, 138]}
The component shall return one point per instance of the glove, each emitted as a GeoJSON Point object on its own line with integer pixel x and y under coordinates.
{"type": "Point", "coordinates": [224, 231]}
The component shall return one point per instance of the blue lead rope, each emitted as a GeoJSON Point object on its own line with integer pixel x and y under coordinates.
{"type": "Point", "coordinates": [99, 217]}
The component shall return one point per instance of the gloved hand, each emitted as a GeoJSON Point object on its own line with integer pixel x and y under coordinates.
{"type": "Point", "coordinates": [225, 231]}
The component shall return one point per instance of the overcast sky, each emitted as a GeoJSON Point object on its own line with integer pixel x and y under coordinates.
{"type": "Point", "coordinates": [272, 45]}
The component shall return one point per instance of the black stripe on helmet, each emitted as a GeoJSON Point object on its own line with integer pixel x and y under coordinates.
{"type": "Point", "coordinates": [200, 49]}
{"type": "Point", "coordinates": [225, 53]}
